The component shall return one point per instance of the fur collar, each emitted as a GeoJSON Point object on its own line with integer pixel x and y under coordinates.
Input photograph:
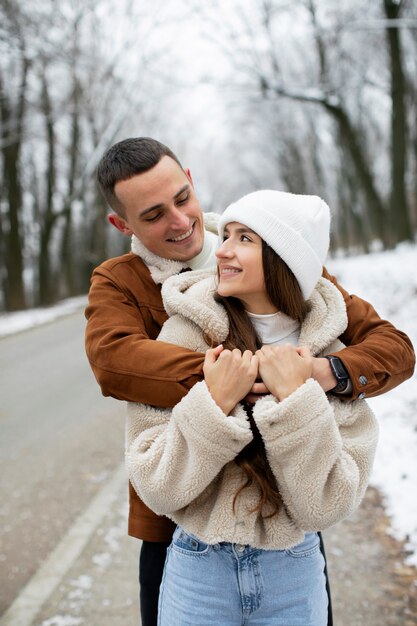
{"type": "Point", "coordinates": [191, 296]}
{"type": "Point", "coordinates": [161, 268]}
{"type": "Point", "coordinates": [327, 317]}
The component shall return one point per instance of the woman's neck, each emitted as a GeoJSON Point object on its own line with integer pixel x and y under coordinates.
{"type": "Point", "coordinates": [259, 305]}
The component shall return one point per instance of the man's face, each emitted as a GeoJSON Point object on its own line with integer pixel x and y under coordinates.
{"type": "Point", "coordinates": [162, 210]}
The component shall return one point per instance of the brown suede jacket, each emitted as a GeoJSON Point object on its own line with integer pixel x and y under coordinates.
{"type": "Point", "coordinates": [125, 315]}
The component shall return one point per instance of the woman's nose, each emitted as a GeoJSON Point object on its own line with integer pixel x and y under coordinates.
{"type": "Point", "coordinates": [224, 250]}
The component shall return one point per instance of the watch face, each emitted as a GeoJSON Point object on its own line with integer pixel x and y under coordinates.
{"type": "Point", "coordinates": [338, 369]}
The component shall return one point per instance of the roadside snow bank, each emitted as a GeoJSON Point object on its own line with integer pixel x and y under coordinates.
{"type": "Point", "coordinates": [389, 281]}
{"type": "Point", "coordinates": [11, 323]}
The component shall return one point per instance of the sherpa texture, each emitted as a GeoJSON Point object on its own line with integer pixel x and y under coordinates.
{"type": "Point", "coordinates": [181, 462]}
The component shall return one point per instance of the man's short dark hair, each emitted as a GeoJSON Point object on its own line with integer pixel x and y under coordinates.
{"type": "Point", "coordinates": [126, 159]}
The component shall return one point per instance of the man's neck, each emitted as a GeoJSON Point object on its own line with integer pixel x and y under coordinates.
{"type": "Point", "coordinates": [206, 258]}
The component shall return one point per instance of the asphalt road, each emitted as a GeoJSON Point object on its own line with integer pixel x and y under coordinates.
{"type": "Point", "coordinates": [60, 441]}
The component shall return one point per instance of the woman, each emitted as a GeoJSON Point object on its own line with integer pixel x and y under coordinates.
{"type": "Point", "coordinates": [250, 488]}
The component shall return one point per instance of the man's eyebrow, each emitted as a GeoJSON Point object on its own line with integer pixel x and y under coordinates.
{"type": "Point", "coordinates": [159, 206]}
{"type": "Point", "coordinates": [181, 191]}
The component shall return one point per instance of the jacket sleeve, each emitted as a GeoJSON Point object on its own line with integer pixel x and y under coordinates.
{"type": "Point", "coordinates": [320, 451]}
{"type": "Point", "coordinates": [378, 357]}
{"type": "Point", "coordinates": [172, 457]}
{"type": "Point", "coordinates": [127, 363]}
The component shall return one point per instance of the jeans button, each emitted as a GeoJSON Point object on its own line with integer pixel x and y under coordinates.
{"type": "Point", "coordinates": [240, 547]}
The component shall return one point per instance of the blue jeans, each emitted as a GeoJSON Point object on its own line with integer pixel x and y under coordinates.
{"type": "Point", "coordinates": [229, 584]}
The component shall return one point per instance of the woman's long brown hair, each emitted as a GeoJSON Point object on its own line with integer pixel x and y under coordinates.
{"type": "Point", "coordinates": [284, 292]}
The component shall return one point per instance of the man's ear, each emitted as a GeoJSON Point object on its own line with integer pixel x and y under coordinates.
{"type": "Point", "coordinates": [119, 223]}
{"type": "Point", "coordinates": [188, 174]}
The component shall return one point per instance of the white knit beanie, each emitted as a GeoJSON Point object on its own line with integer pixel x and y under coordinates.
{"type": "Point", "coordinates": [295, 226]}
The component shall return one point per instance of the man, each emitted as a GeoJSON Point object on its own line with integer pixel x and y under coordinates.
{"type": "Point", "coordinates": [155, 202]}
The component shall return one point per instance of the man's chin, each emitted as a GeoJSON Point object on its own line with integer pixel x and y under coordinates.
{"type": "Point", "coordinates": [174, 255]}
{"type": "Point", "coordinates": [187, 255]}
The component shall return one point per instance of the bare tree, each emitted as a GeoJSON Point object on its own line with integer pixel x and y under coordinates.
{"type": "Point", "coordinates": [13, 87]}
{"type": "Point", "coordinates": [81, 93]}
{"type": "Point", "coordinates": [47, 215]}
{"type": "Point", "coordinates": [345, 76]}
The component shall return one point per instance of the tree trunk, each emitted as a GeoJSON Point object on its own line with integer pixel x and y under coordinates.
{"type": "Point", "coordinates": [399, 218]}
{"type": "Point", "coordinates": [96, 245]}
{"type": "Point", "coordinates": [70, 262]}
{"type": "Point", "coordinates": [349, 138]}
{"type": "Point", "coordinates": [12, 118]}
{"type": "Point", "coordinates": [47, 280]}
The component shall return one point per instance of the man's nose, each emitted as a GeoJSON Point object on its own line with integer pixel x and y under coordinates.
{"type": "Point", "coordinates": [179, 221]}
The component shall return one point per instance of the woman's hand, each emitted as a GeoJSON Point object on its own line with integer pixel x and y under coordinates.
{"type": "Point", "coordinates": [284, 368]}
{"type": "Point", "coordinates": [229, 376]}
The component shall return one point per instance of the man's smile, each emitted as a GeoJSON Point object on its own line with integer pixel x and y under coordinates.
{"type": "Point", "coordinates": [183, 237]}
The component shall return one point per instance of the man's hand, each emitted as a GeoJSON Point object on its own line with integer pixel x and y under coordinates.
{"type": "Point", "coordinates": [284, 368]}
{"type": "Point", "coordinates": [229, 375]}
{"type": "Point", "coordinates": [323, 374]}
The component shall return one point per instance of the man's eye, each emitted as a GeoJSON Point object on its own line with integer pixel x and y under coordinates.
{"type": "Point", "coordinates": [183, 200]}
{"type": "Point", "coordinates": [153, 218]}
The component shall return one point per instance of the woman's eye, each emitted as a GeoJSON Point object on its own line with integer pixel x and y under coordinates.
{"type": "Point", "coordinates": [245, 238]}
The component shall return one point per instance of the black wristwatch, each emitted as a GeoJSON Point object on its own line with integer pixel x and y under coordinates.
{"type": "Point", "coordinates": [339, 372]}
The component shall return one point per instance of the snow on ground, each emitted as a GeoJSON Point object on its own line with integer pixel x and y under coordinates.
{"type": "Point", "coordinates": [22, 320]}
{"type": "Point", "coordinates": [389, 281]}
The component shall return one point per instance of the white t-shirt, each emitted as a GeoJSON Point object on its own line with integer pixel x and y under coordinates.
{"type": "Point", "coordinates": [276, 328]}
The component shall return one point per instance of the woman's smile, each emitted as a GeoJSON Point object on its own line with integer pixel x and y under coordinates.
{"type": "Point", "coordinates": [228, 271]}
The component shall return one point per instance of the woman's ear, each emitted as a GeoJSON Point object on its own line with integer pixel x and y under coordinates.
{"type": "Point", "coordinates": [119, 223]}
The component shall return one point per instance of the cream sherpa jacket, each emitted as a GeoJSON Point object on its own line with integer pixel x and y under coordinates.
{"type": "Point", "coordinates": [320, 449]}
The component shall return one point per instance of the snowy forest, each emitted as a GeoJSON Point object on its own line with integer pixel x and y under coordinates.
{"type": "Point", "coordinates": [309, 96]}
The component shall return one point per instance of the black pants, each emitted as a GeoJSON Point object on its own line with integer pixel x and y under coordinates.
{"type": "Point", "coordinates": [151, 565]}
{"type": "Point", "coordinates": [330, 613]}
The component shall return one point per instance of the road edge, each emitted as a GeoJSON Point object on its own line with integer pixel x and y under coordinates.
{"type": "Point", "coordinates": [28, 603]}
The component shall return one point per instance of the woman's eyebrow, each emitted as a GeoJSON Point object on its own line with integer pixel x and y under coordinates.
{"type": "Point", "coordinates": [240, 230]}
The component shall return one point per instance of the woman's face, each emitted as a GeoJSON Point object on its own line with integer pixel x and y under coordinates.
{"type": "Point", "coordinates": [240, 270]}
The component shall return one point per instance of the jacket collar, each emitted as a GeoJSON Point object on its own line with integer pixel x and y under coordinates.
{"type": "Point", "coordinates": [161, 268]}
{"type": "Point", "coordinates": [327, 317]}
{"type": "Point", "coordinates": [191, 295]}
